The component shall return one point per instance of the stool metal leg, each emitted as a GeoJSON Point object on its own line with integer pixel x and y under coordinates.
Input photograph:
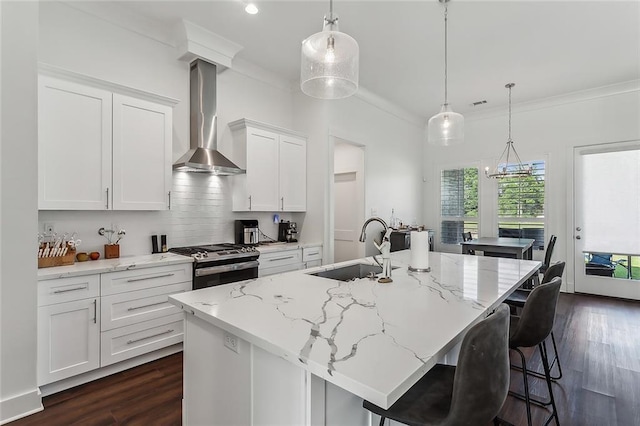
{"type": "Point", "coordinates": [526, 398]}
{"type": "Point", "coordinates": [545, 363]}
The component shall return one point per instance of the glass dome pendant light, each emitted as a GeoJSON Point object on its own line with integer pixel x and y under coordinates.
{"type": "Point", "coordinates": [330, 58]}
{"type": "Point", "coordinates": [447, 127]}
{"type": "Point", "coordinates": [503, 168]}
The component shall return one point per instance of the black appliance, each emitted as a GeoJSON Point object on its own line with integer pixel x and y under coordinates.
{"type": "Point", "coordinates": [218, 264]}
{"type": "Point", "coordinates": [401, 239]}
{"type": "Point", "coordinates": [246, 232]}
{"type": "Point", "coordinates": [288, 232]}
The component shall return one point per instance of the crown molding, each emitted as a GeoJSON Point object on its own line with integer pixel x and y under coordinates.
{"type": "Point", "coordinates": [197, 42]}
{"type": "Point", "coordinates": [123, 18]}
{"type": "Point", "coordinates": [84, 79]}
{"type": "Point", "coordinates": [553, 101]}
{"type": "Point", "coordinates": [389, 107]}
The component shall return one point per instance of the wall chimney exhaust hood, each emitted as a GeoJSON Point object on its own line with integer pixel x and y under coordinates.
{"type": "Point", "coordinates": [204, 157]}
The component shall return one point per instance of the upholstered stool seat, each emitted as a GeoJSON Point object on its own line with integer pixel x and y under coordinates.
{"type": "Point", "coordinates": [470, 393]}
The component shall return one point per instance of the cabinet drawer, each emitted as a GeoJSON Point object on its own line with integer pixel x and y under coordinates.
{"type": "Point", "coordinates": [138, 279]}
{"type": "Point", "coordinates": [119, 310]}
{"type": "Point", "coordinates": [68, 289]}
{"type": "Point", "coordinates": [311, 253]}
{"type": "Point", "coordinates": [280, 258]}
{"type": "Point", "coordinates": [137, 339]}
{"type": "Point", "coordinates": [279, 269]}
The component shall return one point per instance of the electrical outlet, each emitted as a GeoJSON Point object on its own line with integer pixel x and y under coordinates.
{"type": "Point", "coordinates": [49, 228]}
{"type": "Point", "coordinates": [231, 341]}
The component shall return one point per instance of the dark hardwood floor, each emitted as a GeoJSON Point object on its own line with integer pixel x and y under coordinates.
{"type": "Point", "coordinates": [598, 340]}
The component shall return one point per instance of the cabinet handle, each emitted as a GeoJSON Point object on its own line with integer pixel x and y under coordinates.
{"type": "Point", "coordinates": [107, 198]}
{"type": "Point", "coordinates": [129, 342]}
{"type": "Point", "coordinates": [69, 289]}
{"type": "Point", "coordinates": [134, 308]}
{"type": "Point", "coordinates": [314, 254]}
{"type": "Point", "coordinates": [249, 202]}
{"type": "Point", "coordinates": [282, 203]}
{"type": "Point", "coordinates": [149, 278]}
{"type": "Point", "coordinates": [95, 311]}
{"type": "Point", "coordinates": [281, 258]}
{"type": "Point", "coordinates": [169, 200]}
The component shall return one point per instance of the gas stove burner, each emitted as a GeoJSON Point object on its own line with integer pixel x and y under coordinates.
{"type": "Point", "coordinates": [213, 252]}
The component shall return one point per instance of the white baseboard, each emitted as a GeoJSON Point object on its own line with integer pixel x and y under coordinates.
{"type": "Point", "coordinates": [20, 406]}
{"type": "Point", "coordinates": [99, 373]}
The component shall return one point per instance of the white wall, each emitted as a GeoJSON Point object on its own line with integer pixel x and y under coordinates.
{"type": "Point", "coordinates": [548, 130]}
{"type": "Point", "coordinates": [76, 40]}
{"type": "Point", "coordinates": [18, 214]}
{"type": "Point", "coordinates": [393, 160]}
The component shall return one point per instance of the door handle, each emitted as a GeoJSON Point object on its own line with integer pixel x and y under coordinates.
{"type": "Point", "coordinates": [578, 229]}
{"type": "Point", "coordinates": [578, 237]}
{"type": "Point", "coordinates": [249, 202]}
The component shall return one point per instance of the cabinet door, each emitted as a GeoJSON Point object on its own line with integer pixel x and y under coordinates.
{"type": "Point", "coordinates": [262, 170]}
{"type": "Point", "coordinates": [68, 339]}
{"type": "Point", "coordinates": [74, 146]}
{"type": "Point", "coordinates": [293, 174]}
{"type": "Point", "coordinates": [141, 154]}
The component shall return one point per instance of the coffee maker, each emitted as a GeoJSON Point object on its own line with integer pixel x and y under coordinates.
{"type": "Point", "coordinates": [288, 232]}
{"type": "Point", "coordinates": [246, 232]}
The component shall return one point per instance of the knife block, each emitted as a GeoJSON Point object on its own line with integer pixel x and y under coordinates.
{"type": "Point", "coordinates": [111, 251]}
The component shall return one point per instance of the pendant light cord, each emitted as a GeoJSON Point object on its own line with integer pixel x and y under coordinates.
{"type": "Point", "coordinates": [509, 86]}
{"type": "Point", "coordinates": [446, 99]}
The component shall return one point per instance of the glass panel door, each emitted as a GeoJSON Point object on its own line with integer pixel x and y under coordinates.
{"type": "Point", "coordinates": [607, 219]}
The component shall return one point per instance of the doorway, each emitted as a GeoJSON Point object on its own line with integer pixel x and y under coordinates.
{"type": "Point", "coordinates": [348, 200]}
{"type": "Point", "coordinates": [607, 219]}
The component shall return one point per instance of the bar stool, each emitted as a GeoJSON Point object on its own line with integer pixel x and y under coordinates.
{"type": "Point", "coordinates": [470, 393]}
{"type": "Point", "coordinates": [531, 329]}
{"type": "Point", "coordinates": [517, 300]}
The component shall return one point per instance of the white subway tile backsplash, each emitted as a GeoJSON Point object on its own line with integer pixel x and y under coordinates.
{"type": "Point", "coordinates": [201, 212]}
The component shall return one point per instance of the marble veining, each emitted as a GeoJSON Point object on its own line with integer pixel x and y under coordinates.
{"type": "Point", "coordinates": [374, 340]}
{"type": "Point", "coordinates": [111, 265]}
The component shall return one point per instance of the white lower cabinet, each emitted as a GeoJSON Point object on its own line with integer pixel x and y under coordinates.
{"type": "Point", "coordinates": [93, 321]}
{"type": "Point", "coordinates": [288, 259]}
{"type": "Point", "coordinates": [139, 338]}
{"type": "Point", "coordinates": [68, 339]}
{"type": "Point", "coordinates": [312, 256]}
{"type": "Point", "coordinates": [279, 261]}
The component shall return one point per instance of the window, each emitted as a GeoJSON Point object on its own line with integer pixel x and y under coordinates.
{"type": "Point", "coordinates": [521, 205]}
{"type": "Point", "coordinates": [458, 204]}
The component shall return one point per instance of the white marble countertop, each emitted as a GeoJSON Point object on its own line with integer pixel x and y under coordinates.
{"type": "Point", "coordinates": [373, 340]}
{"type": "Point", "coordinates": [111, 265]}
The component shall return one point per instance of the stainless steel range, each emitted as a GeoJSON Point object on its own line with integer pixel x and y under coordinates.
{"type": "Point", "coordinates": [218, 264]}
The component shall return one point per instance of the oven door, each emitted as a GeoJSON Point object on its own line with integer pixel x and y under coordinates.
{"type": "Point", "coordinates": [209, 276]}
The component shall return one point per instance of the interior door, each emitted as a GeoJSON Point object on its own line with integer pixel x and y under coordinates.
{"type": "Point", "coordinates": [607, 219]}
{"type": "Point", "coordinates": [346, 232]}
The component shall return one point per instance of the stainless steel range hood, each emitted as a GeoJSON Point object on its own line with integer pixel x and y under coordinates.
{"type": "Point", "coordinates": [203, 156]}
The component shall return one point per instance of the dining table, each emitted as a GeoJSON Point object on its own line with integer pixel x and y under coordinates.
{"type": "Point", "coordinates": [520, 248]}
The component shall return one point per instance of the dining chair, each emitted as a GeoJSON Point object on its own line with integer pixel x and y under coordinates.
{"type": "Point", "coordinates": [531, 329]}
{"type": "Point", "coordinates": [470, 393]}
{"type": "Point", "coordinates": [466, 236]}
{"type": "Point", "coordinates": [517, 299]}
{"type": "Point", "coordinates": [548, 253]}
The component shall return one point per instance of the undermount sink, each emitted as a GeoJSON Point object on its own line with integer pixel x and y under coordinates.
{"type": "Point", "coordinates": [350, 272]}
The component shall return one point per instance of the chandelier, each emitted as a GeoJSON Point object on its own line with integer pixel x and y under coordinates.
{"type": "Point", "coordinates": [503, 168]}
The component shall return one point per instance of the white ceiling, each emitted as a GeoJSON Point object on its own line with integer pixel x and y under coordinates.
{"type": "Point", "coordinates": [546, 48]}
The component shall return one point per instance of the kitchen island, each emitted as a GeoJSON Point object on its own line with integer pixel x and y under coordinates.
{"type": "Point", "coordinates": [296, 348]}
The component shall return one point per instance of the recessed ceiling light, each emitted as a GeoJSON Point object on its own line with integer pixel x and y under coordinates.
{"type": "Point", "coordinates": [251, 9]}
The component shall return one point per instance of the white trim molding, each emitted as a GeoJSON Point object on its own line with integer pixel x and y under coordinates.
{"type": "Point", "coordinates": [567, 98]}
{"type": "Point", "coordinates": [19, 406]}
{"type": "Point", "coordinates": [65, 74]}
{"type": "Point", "coordinates": [197, 42]}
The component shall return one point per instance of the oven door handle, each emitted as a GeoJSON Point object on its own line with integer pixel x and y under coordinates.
{"type": "Point", "coordinates": [201, 272]}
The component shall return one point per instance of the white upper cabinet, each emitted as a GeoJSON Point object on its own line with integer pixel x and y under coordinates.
{"type": "Point", "coordinates": [141, 154]}
{"type": "Point", "coordinates": [102, 150]}
{"type": "Point", "coordinates": [276, 164]}
{"type": "Point", "coordinates": [74, 146]}
{"type": "Point", "coordinates": [293, 174]}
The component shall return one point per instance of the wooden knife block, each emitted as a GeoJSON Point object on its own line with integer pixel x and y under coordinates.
{"type": "Point", "coordinates": [111, 251]}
